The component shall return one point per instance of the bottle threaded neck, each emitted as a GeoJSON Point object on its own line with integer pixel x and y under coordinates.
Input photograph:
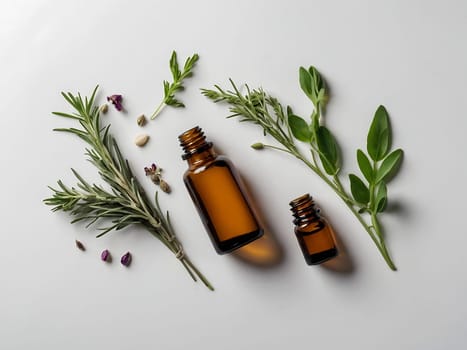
{"type": "Point", "coordinates": [303, 209]}
{"type": "Point", "coordinates": [193, 141]}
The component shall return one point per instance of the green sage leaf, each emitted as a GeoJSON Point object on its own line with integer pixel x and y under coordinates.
{"type": "Point", "coordinates": [299, 128]}
{"type": "Point", "coordinates": [365, 166]}
{"type": "Point", "coordinates": [379, 135]}
{"type": "Point", "coordinates": [359, 190]}
{"type": "Point", "coordinates": [318, 83]}
{"type": "Point", "coordinates": [305, 82]}
{"type": "Point", "coordinates": [328, 150]}
{"type": "Point", "coordinates": [381, 198]}
{"type": "Point", "coordinates": [389, 165]}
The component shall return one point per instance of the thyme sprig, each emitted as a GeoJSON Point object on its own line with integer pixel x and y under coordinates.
{"type": "Point", "coordinates": [177, 85]}
{"type": "Point", "coordinates": [365, 202]}
{"type": "Point", "coordinates": [126, 202]}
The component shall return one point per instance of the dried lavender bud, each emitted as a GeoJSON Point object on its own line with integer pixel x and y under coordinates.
{"type": "Point", "coordinates": [126, 259]}
{"type": "Point", "coordinates": [141, 121]}
{"type": "Point", "coordinates": [164, 186]}
{"type": "Point", "coordinates": [150, 170]}
{"type": "Point", "coordinates": [105, 256]}
{"type": "Point", "coordinates": [80, 245]}
{"type": "Point", "coordinates": [104, 108]}
{"type": "Point", "coordinates": [116, 101]}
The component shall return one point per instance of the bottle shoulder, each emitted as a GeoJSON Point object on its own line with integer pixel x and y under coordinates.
{"type": "Point", "coordinates": [311, 225]}
{"type": "Point", "coordinates": [218, 161]}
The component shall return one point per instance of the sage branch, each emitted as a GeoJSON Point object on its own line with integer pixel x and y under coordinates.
{"type": "Point", "coordinates": [368, 194]}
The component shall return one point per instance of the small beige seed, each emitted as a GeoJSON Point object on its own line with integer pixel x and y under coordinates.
{"type": "Point", "coordinates": [141, 121]}
{"type": "Point", "coordinates": [164, 186]}
{"type": "Point", "coordinates": [141, 140]}
{"type": "Point", "coordinates": [104, 108]}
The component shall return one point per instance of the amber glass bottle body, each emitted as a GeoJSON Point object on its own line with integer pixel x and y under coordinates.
{"type": "Point", "coordinates": [218, 194]}
{"type": "Point", "coordinates": [313, 232]}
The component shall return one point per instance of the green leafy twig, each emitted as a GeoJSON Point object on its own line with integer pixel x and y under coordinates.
{"type": "Point", "coordinates": [364, 201]}
{"type": "Point", "coordinates": [126, 202]}
{"type": "Point", "coordinates": [177, 85]}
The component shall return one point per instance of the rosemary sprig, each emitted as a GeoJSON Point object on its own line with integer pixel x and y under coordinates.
{"type": "Point", "coordinates": [126, 202]}
{"type": "Point", "coordinates": [177, 85]}
{"type": "Point", "coordinates": [365, 202]}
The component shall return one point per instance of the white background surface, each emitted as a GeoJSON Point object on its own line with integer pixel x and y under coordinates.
{"type": "Point", "coordinates": [409, 56]}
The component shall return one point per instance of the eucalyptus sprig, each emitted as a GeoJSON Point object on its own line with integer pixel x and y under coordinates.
{"type": "Point", "coordinates": [177, 85]}
{"type": "Point", "coordinates": [126, 202]}
{"type": "Point", "coordinates": [365, 201]}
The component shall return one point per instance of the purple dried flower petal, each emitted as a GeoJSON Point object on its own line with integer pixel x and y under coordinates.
{"type": "Point", "coordinates": [105, 256]}
{"type": "Point", "coordinates": [150, 170]}
{"type": "Point", "coordinates": [126, 259]}
{"type": "Point", "coordinates": [116, 101]}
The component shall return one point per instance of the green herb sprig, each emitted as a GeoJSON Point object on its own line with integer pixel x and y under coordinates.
{"type": "Point", "coordinates": [366, 199]}
{"type": "Point", "coordinates": [126, 202]}
{"type": "Point", "coordinates": [177, 85]}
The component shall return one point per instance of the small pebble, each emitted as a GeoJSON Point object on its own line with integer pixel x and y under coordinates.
{"type": "Point", "coordinates": [141, 121]}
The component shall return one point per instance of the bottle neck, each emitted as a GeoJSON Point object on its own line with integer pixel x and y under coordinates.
{"type": "Point", "coordinates": [197, 151]}
{"type": "Point", "coordinates": [303, 210]}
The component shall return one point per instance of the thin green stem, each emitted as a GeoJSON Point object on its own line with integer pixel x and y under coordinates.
{"type": "Point", "coordinates": [278, 148]}
{"type": "Point", "coordinates": [205, 281]}
{"type": "Point", "coordinates": [158, 109]}
{"type": "Point", "coordinates": [176, 248]}
{"type": "Point", "coordinates": [381, 245]}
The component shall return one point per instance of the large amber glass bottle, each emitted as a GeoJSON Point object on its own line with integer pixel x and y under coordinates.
{"type": "Point", "coordinates": [314, 234]}
{"type": "Point", "coordinates": [218, 194]}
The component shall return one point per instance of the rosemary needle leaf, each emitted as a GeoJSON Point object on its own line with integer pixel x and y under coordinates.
{"type": "Point", "coordinates": [125, 203]}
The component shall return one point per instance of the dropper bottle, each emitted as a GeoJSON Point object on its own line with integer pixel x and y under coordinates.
{"type": "Point", "coordinates": [218, 194]}
{"type": "Point", "coordinates": [314, 234]}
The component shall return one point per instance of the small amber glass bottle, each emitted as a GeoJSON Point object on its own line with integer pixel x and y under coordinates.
{"type": "Point", "coordinates": [218, 194]}
{"type": "Point", "coordinates": [313, 232]}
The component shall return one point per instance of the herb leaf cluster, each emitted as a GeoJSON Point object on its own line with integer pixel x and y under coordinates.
{"type": "Point", "coordinates": [125, 203]}
{"type": "Point", "coordinates": [177, 84]}
{"type": "Point", "coordinates": [377, 167]}
{"type": "Point", "coordinates": [368, 196]}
